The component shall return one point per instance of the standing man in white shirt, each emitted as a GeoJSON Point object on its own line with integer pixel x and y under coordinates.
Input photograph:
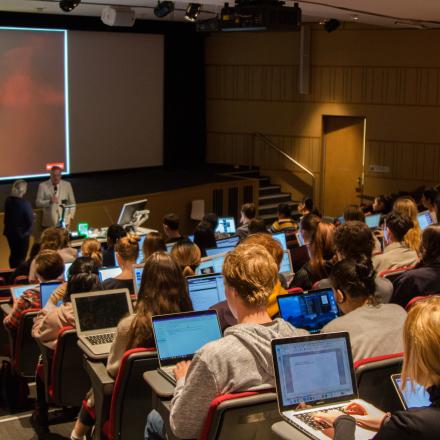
{"type": "Point", "coordinates": [51, 195]}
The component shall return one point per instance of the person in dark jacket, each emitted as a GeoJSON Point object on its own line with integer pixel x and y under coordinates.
{"type": "Point", "coordinates": [421, 365]}
{"type": "Point", "coordinates": [425, 278]}
{"type": "Point", "coordinates": [19, 220]}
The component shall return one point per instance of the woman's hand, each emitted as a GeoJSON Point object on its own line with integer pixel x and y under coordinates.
{"type": "Point", "coordinates": [181, 369]}
{"type": "Point", "coordinates": [365, 414]}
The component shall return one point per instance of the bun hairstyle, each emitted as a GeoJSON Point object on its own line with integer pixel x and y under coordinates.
{"type": "Point", "coordinates": [355, 278]}
{"type": "Point", "coordinates": [187, 255]}
{"type": "Point", "coordinates": [128, 247]}
{"type": "Point", "coordinates": [92, 248]}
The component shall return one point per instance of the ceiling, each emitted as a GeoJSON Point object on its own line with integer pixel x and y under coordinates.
{"type": "Point", "coordinates": [388, 13]}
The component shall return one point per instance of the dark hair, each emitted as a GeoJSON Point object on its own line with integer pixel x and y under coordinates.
{"type": "Point", "coordinates": [354, 239]}
{"type": "Point", "coordinates": [172, 221]}
{"type": "Point", "coordinates": [114, 233]}
{"type": "Point", "coordinates": [308, 203]}
{"type": "Point", "coordinates": [153, 242]}
{"type": "Point", "coordinates": [386, 202]}
{"type": "Point", "coordinates": [355, 278]}
{"type": "Point", "coordinates": [249, 210]}
{"type": "Point", "coordinates": [204, 238]}
{"type": "Point", "coordinates": [430, 244]}
{"type": "Point", "coordinates": [399, 224]}
{"type": "Point", "coordinates": [285, 210]}
{"type": "Point", "coordinates": [81, 283]}
{"type": "Point", "coordinates": [354, 212]}
{"type": "Point", "coordinates": [212, 219]}
{"type": "Point", "coordinates": [437, 206]}
{"type": "Point", "coordinates": [257, 225]}
{"type": "Point", "coordinates": [309, 223]}
{"type": "Point", "coordinates": [430, 194]}
{"type": "Point", "coordinates": [49, 265]}
{"type": "Point", "coordinates": [83, 265]}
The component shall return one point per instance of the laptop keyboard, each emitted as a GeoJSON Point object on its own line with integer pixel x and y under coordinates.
{"type": "Point", "coordinates": [308, 418]}
{"type": "Point", "coordinates": [105, 338]}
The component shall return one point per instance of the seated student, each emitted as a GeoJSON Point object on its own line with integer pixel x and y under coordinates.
{"type": "Point", "coordinates": [321, 251]}
{"type": "Point", "coordinates": [284, 222]}
{"type": "Point", "coordinates": [187, 255]}
{"type": "Point", "coordinates": [49, 266]}
{"type": "Point", "coordinates": [68, 253]}
{"type": "Point", "coordinates": [354, 240]}
{"type": "Point", "coordinates": [381, 205]}
{"type": "Point", "coordinates": [406, 205]}
{"type": "Point", "coordinates": [153, 242]}
{"type": "Point", "coordinates": [242, 359]}
{"type": "Point", "coordinates": [212, 219]}
{"type": "Point", "coordinates": [428, 201]}
{"type": "Point", "coordinates": [257, 225]}
{"type": "Point", "coordinates": [397, 253]}
{"type": "Point", "coordinates": [204, 238]}
{"type": "Point", "coordinates": [171, 228]}
{"type": "Point", "coordinates": [425, 278]}
{"type": "Point", "coordinates": [162, 291]}
{"type": "Point", "coordinates": [375, 329]}
{"type": "Point", "coordinates": [306, 207]}
{"type": "Point", "coordinates": [248, 212]}
{"type": "Point", "coordinates": [114, 233]}
{"type": "Point", "coordinates": [127, 252]}
{"type": "Point", "coordinates": [354, 213]}
{"type": "Point", "coordinates": [421, 365]}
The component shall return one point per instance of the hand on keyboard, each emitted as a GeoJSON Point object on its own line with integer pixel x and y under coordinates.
{"type": "Point", "coordinates": [326, 418]}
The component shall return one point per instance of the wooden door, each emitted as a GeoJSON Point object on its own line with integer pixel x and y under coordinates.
{"type": "Point", "coordinates": [343, 162]}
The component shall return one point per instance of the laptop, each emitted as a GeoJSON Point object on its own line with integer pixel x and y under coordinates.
{"type": "Point", "coordinates": [281, 237]}
{"type": "Point", "coordinates": [373, 220]}
{"type": "Point", "coordinates": [341, 220]}
{"type": "Point", "coordinates": [180, 335]}
{"type": "Point", "coordinates": [206, 290]}
{"type": "Point", "coordinates": [213, 264]}
{"type": "Point", "coordinates": [97, 315]}
{"type": "Point", "coordinates": [226, 225]}
{"type": "Point", "coordinates": [137, 276]}
{"type": "Point", "coordinates": [210, 252]}
{"type": "Point", "coordinates": [169, 246]}
{"type": "Point", "coordinates": [228, 242]}
{"type": "Point", "coordinates": [414, 396]}
{"type": "Point", "coordinates": [300, 239]}
{"type": "Point", "coordinates": [317, 370]}
{"type": "Point", "coordinates": [17, 291]}
{"type": "Point", "coordinates": [310, 310]}
{"type": "Point", "coordinates": [66, 270]}
{"type": "Point", "coordinates": [424, 218]}
{"type": "Point", "coordinates": [286, 264]}
{"type": "Point", "coordinates": [109, 272]}
{"type": "Point", "coordinates": [46, 290]}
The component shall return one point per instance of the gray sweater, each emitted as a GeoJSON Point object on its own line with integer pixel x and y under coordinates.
{"type": "Point", "coordinates": [240, 361]}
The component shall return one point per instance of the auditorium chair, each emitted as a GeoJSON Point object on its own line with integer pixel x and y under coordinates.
{"type": "Point", "coordinates": [247, 415]}
{"type": "Point", "coordinates": [393, 274]}
{"type": "Point", "coordinates": [373, 377]}
{"type": "Point", "coordinates": [415, 299]}
{"type": "Point", "coordinates": [5, 276]}
{"type": "Point", "coordinates": [122, 405]}
{"type": "Point", "coordinates": [295, 290]}
{"type": "Point", "coordinates": [5, 294]}
{"type": "Point", "coordinates": [21, 279]}
{"type": "Point", "coordinates": [300, 256]}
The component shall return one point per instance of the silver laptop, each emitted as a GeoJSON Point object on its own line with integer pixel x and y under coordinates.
{"type": "Point", "coordinates": [17, 291]}
{"type": "Point", "coordinates": [373, 220]}
{"type": "Point", "coordinates": [424, 218]}
{"type": "Point", "coordinates": [286, 264]}
{"type": "Point", "coordinates": [414, 396]}
{"type": "Point", "coordinates": [109, 272]}
{"type": "Point", "coordinates": [316, 370]}
{"type": "Point", "coordinates": [138, 269]}
{"type": "Point", "coordinates": [213, 264]}
{"type": "Point", "coordinates": [206, 290]}
{"type": "Point", "coordinates": [97, 315]}
{"type": "Point", "coordinates": [180, 335]}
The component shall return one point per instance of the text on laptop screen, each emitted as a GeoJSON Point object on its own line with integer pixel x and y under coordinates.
{"type": "Point", "coordinates": [310, 311]}
{"type": "Point", "coordinates": [109, 272]}
{"type": "Point", "coordinates": [101, 311]}
{"type": "Point", "coordinates": [66, 270]}
{"type": "Point", "coordinates": [213, 265]}
{"type": "Point", "coordinates": [414, 397]}
{"type": "Point", "coordinates": [206, 291]}
{"type": "Point", "coordinates": [137, 278]}
{"type": "Point", "coordinates": [181, 336]}
{"type": "Point", "coordinates": [281, 237]}
{"type": "Point", "coordinates": [46, 290]}
{"type": "Point", "coordinates": [424, 219]}
{"type": "Point", "coordinates": [19, 290]}
{"type": "Point", "coordinates": [226, 225]}
{"type": "Point", "coordinates": [314, 370]}
{"type": "Point", "coordinates": [285, 266]}
{"type": "Point", "coordinates": [216, 251]}
{"type": "Point", "coordinates": [373, 220]}
{"type": "Point", "coordinates": [228, 242]}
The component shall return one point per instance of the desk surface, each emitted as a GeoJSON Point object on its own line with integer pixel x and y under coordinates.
{"type": "Point", "coordinates": [287, 432]}
{"type": "Point", "coordinates": [160, 386]}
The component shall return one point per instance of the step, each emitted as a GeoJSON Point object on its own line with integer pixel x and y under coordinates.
{"type": "Point", "coordinates": [269, 189]}
{"type": "Point", "coordinates": [247, 173]}
{"type": "Point", "coordinates": [274, 198]}
{"type": "Point", "coordinates": [264, 181]}
{"type": "Point", "coordinates": [273, 207]}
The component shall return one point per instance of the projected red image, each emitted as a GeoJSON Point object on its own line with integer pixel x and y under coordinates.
{"type": "Point", "coordinates": [32, 112]}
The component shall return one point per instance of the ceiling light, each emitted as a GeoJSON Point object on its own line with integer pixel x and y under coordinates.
{"type": "Point", "coordinates": [69, 5]}
{"type": "Point", "coordinates": [331, 25]}
{"type": "Point", "coordinates": [163, 9]}
{"type": "Point", "coordinates": [192, 11]}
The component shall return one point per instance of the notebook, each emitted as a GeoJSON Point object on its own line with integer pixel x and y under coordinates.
{"type": "Point", "coordinates": [414, 396]}
{"type": "Point", "coordinates": [281, 237]}
{"type": "Point", "coordinates": [373, 220]}
{"type": "Point", "coordinates": [137, 276]}
{"type": "Point", "coordinates": [206, 290]}
{"type": "Point", "coordinates": [310, 310]}
{"type": "Point", "coordinates": [46, 290]}
{"type": "Point", "coordinates": [180, 335]}
{"type": "Point", "coordinates": [97, 315]}
{"type": "Point", "coordinates": [317, 370]}
{"type": "Point", "coordinates": [213, 264]}
{"type": "Point", "coordinates": [109, 272]}
{"type": "Point", "coordinates": [226, 225]}
{"type": "Point", "coordinates": [424, 218]}
{"type": "Point", "coordinates": [17, 291]}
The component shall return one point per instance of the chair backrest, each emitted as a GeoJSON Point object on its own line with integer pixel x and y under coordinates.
{"type": "Point", "coordinates": [131, 398]}
{"type": "Point", "coordinates": [295, 290]}
{"type": "Point", "coordinates": [300, 256]}
{"type": "Point", "coordinates": [247, 415]}
{"type": "Point", "coordinates": [21, 279]}
{"type": "Point", "coordinates": [374, 382]}
{"type": "Point", "coordinates": [5, 275]}
{"type": "Point", "coordinates": [393, 274]}
{"type": "Point", "coordinates": [5, 294]}
{"type": "Point", "coordinates": [69, 382]}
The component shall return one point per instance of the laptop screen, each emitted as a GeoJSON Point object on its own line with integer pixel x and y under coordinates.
{"type": "Point", "coordinates": [281, 237]}
{"type": "Point", "coordinates": [424, 218]}
{"type": "Point", "coordinates": [212, 265]}
{"type": "Point", "coordinates": [311, 310]}
{"type": "Point", "coordinates": [101, 311]}
{"type": "Point", "coordinates": [373, 220]}
{"type": "Point", "coordinates": [206, 290]}
{"type": "Point", "coordinates": [216, 251]}
{"type": "Point", "coordinates": [17, 291]}
{"type": "Point", "coordinates": [109, 272]}
{"type": "Point", "coordinates": [66, 270]}
{"type": "Point", "coordinates": [137, 277]}
{"type": "Point", "coordinates": [169, 246]}
{"type": "Point", "coordinates": [414, 396]}
{"type": "Point", "coordinates": [46, 290]}
{"type": "Point", "coordinates": [179, 336]}
{"type": "Point", "coordinates": [285, 266]}
{"type": "Point", "coordinates": [226, 225]}
{"type": "Point", "coordinates": [314, 369]}
{"type": "Point", "coordinates": [228, 242]}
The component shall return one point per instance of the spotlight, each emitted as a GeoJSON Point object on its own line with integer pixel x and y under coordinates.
{"type": "Point", "coordinates": [69, 5]}
{"type": "Point", "coordinates": [163, 9]}
{"type": "Point", "coordinates": [192, 11]}
{"type": "Point", "coordinates": [331, 25]}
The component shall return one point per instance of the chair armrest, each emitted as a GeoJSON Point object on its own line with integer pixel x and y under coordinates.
{"type": "Point", "coordinates": [6, 308]}
{"type": "Point", "coordinates": [102, 384]}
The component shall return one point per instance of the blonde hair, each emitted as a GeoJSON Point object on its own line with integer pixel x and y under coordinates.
{"type": "Point", "coordinates": [92, 248]}
{"type": "Point", "coordinates": [252, 271]}
{"type": "Point", "coordinates": [187, 255]}
{"type": "Point", "coordinates": [128, 247]}
{"type": "Point", "coordinates": [406, 205]}
{"type": "Point", "coordinates": [19, 188]}
{"type": "Point", "coordinates": [421, 342]}
{"type": "Point", "coordinates": [270, 244]}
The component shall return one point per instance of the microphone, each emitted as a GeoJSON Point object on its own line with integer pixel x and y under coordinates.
{"type": "Point", "coordinates": [55, 189]}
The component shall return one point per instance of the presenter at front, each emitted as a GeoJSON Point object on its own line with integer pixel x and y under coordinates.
{"type": "Point", "coordinates": [52, 195]}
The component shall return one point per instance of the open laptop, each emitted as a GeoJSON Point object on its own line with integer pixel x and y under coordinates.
{"type": "Point", "coordinates": [226, 225]}
{"type": "Point", "coordinates": [138, 269]}
{"type": "Point", "coordinates": [300, 239]}
{"type": "Point", "coordinates": [206, 290]}
{"type": "Point", "coordinates": [46, 290]}
{"type": "Point", "coordinates": [424, 218]}
{"type": "Point", "coordinates": [169, 246]}
{"type": "Point", "coordinates": [226, 243]}
{"type": "Point", "coordinates": [213, 264]}
{"type": "Point", "coordinates": [286, 264]}
{"type": "Point", "coordinates": [17, 291]}
{"type": "Point", "coordinates": [373, 220]}
{"type": "Point", "coordinates": [210, 252]}
{"type": "Point", "coordinates": [316, 370]}
{"type": "Point", "coordinates": [310, 310]}
{"type": "Point", "coordinates": [97, 315]}
{"type": "Point", "coordinates": [109, 272]}
{"type": "Point", "coordinates": [414, 396]}
{"type": "Point", "coordinates": [180, 335]}
{"type": "Point", "coordinates": [281, 237]}
{"type": "Point", "coordinates": [66, 270]}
